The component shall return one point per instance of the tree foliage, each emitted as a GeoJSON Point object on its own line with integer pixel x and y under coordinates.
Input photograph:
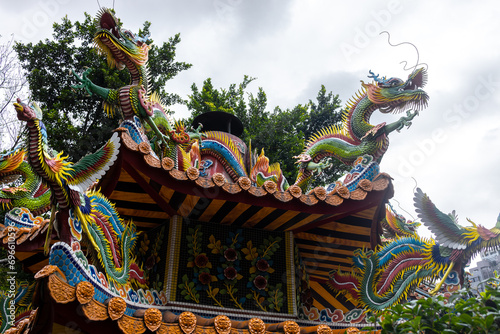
{"type": "Point", "coordinates": [76, 122]}
{"type": "Point", "coordinates": [463, 312]}
{"type": "Point", "coordinates": [281, 132]}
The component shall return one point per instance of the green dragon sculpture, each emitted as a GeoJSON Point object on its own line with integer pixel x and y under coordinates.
{"type": "Point", "coordinates": [384, 277]}
{"type": "Point", "coordinates": [357, 137]}
{"type": "Point", "coordinates": [124, 49]}
{"type": "Point", "coordinates": [82, 212]}
{"type": "Point", "coordinates": [31, 192]}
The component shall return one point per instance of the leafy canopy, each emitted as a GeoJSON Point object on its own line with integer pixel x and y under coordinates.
{"type": "Point", "coordinates": [281, 132]}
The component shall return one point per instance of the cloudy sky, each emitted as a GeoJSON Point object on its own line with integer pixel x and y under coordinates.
{"type": "Point", "coordinates": [293, 47]}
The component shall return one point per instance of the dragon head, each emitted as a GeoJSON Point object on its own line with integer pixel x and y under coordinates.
{"type": "Point", "coordinates": [121, 47]}
{"type": "Point", "coordinates": [396, 95]}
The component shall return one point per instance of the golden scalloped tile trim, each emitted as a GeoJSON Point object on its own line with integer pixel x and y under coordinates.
{"type": "Point", "coordinates": [168, 329]}
{"type": "Point", "coordinates": [352, 330]}
{"type": "Point", "coordinates": [231, 188]}
{"type": "Point", "coordinates": [131, 325]}
{"type": "Point", "coordinates": [270, 186]}
{"type": "Point", "coordinates": [366, 185]}
{"type": "Point", "coordinates": [219, 179]}
{"type": "Point", "coordinates": [144, 148]}
{"type": "Point", "coordinates": [244, 182]}
{"type": "Point", "coordinates": [187, 322]}
{"type": "Point", "coordinates": [152, 319]}
{"type": "Point", "coordinates": [178, 175]}
{"type": "Point", "coordinates": [358, 194]}
{"type": "Point", "coordinates": [256, 326]}
{"type": "Point", "coordinates": [381, 181]}
{"type": "Point", "coordinates": [308, 199]}
{"type": "Point", "coordinates": [283, 196]}
{"type": "Point", "coordinates": [49, 270]}
{"type": "Point", "coordinates": [152, 161]}
{"type": "Point", "coordinates": [222, 324]}
{"type": "Point", "coordinates": [61, 291]}
{"type": "Point", "coordinates": [334, 200]}
{"type": "Point", "coordinates": [25, 324]}
{"type": "Point", "coordinates": [320, 193]}
{"type": "Point", "coordinates": [167, 163]}
{"type": "Point", "coordinates": [342, 191]}
{"type": "Point", "coordinates": [257, 192]}
{"type": "Point", "coordinates": [323, 329]}
{"type": "Point", "coordinates": [205, 182]}
{"type": "Point", "coordinates": [295, 191]}
{"type": "Point", "coordinates": [22, 234]}
{"type": "Point", "coordinates": [128, 141]}
{"type": "Point", "coordinates": [192, 173]}
{"type": "Point", "coordinates": [291, 327]}
{"type": "Point", "coordinates": [116, 308]}
{"type": "Point", "coordinates": [95, 310]}
{"type": "Point", "coordinates": [84, 292]}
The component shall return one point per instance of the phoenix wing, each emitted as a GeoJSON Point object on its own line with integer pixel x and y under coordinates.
{"type": "Point", "coordinates": [447, 232]}
{"type": "Point", "coordinates": [93, 166]}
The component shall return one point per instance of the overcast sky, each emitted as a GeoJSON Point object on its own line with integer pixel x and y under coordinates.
{"type": "Point", "coordinates": [292, 47]}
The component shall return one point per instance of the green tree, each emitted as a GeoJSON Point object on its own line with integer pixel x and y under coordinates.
{"type": "Point", "coordinates": [281, 132]}
{"type": "Point", "coordinates": [76, 122]}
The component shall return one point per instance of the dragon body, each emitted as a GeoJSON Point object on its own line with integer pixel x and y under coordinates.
{"type": "Point", "coordinates": [124, 49]}
{"type": "Point", "coordinates": [31, 192]}
{"type": "Point", "coordinates": [356, 137]}
{"type": "Point", "coordinates": [81, 212]}
{"type": "Point", "coordinates": [385, 276]}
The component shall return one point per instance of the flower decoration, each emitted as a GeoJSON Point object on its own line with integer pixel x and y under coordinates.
{"type": "Point", "coordinates": [262, 265]}
{"type": "Point", "coordinates": [144, 245]}
{"type": "Point", "coordinates": [201, 261]}
{"type": "Point", "coordinates": [230, 254]}
{"type": "Point", "coordinates": [205, 278]}
{"type": "Point", "coordinates": [150, 262]}
{"type": "Point", "coordinates": [230, 273]}
{"type": "Point", "coordinates": [260, 282]}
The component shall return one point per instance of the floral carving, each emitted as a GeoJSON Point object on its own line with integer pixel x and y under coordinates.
{"type": "Point", "coordinates": [295, 191]}
{"type": "Point", "coordinates": [222, 324]}
{"type": "Point", "coordinates": [244, 183]}
{"type": "Point", "coordinates": [291, 327]}
{"type": "Point", "coordinates": [116, 308]}
{"type": "Point", "coordinates": [256, 326]}
{"type": "Point", "coordinates": [187, 322]}
{"type": "Point", "coordinates": [84, 292]}
{"type": "Point", "coordinates": [167, 163]}
{"type": "Point", "coordinates": [323, 329]}
{"type": "Point", "coordinates": [192, 173]}
{"type": "Point", "coordinates": [219, 179]}
{"type": "Point", "coordinates": [152, 319]}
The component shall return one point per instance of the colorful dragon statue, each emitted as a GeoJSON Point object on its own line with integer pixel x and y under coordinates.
{"type": "Point", "coordinates": [357, 137]}
{"type": "Point", "coordinates": [395, 225]}
{"type": "Point", "coordinates": [87, 212]}
{"type": "Point", "coordinates": [31, 192]}
{"type": "Point", "coordinates": [385, 276]}
{"type": "Point", "coordinates": [223, 152]}
{"type": "Point", "coordinates": [123, 50]}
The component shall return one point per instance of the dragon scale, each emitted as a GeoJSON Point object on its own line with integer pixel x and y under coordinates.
{"type": "Point", "coordinates": [356, 137]}
{"type": "Point", "coordinates": [87, 210]}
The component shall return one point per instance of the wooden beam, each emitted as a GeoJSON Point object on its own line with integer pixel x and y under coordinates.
{"type": "Point", "coordinates": [151, 192]}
